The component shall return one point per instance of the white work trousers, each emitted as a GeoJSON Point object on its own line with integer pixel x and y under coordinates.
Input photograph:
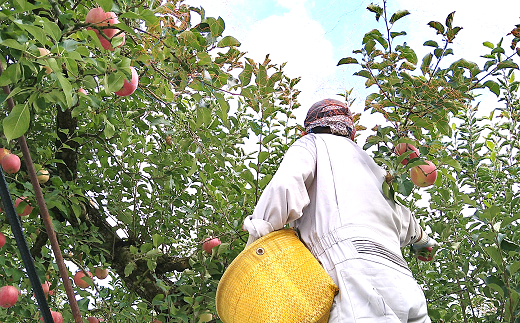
{"type": "Point", "coordinates": [373, 288]}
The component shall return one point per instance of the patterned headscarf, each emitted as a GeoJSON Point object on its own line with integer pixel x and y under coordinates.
{"type": "Point", "coordinates": [333, 114]}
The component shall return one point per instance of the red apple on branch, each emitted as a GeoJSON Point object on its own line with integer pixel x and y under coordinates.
{"type": "Point", "coordinates": [78, 279]}
{"type": "Point", "coordinates": [402, 148]}
{"type": "Point", "coordinates": [92, 319]}
{"type": "Point", "coordinates": [210, 243]}
{"type": "Point", "coordinates": [43, 176]}
{"type": "Point", "coordinates": [11, 163]}
{"type": "Point", "coordinates": [82, 90]}
{"type": "Point", "coordinates": [27, 210]}
{"type": "Point", "coordinates": [101, 273]}
{"type": "Point", "coordinates": [424, 175]}
{"type": "Point", "coordinates": [8, 296]}
{"type": "Point", "coordinates": [2, 239]}
{"type": "Point", "coordinates": [99, 17]}
{"type": "Point", "coordinates": [56, 317]}
{"type": "Point", "coordinates": [129, 87]}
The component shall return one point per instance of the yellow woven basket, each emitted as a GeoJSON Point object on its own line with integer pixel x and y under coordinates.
{"type": "Point", "coordinates": [275, 280]}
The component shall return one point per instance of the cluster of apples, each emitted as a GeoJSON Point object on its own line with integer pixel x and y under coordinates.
{"type": "Point", "coordinates": [422, 175]}
{"type": "Point", "coordinates": [101, 273]}
{"type": "Point", "coordinates": [11, 164]}
{"type": "Point", "coordinates": [98, 17]}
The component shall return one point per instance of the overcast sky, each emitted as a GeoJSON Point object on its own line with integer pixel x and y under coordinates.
{"type": "Point", "coordinates": [312, 36]}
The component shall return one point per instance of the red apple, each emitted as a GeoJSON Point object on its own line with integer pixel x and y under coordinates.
{"type": "Point", "coordinates": [8, 296]}
{"type": "Point", "coordinates": [101, 18]}
{"type": "Point", "coordinates": [82, 90]}
{"type": "Point", "coordinates": [11, 163]}
{"type": "Point", "coordinates": [56, 317]}
{"type": "Point", "coordinates": [101, 273]}
{"type": "Point", "coordinates": [92, 319]}
{"type": "Point", "coordinates": [79, 281]}
{"type": "Point", "coordinates": [4, 152]}
{"type": "Point", "coordinates": [95, 16]}
{"type": "Point", "coordinates": [46, 288]}
{"type": "Point", "coordinates": [424, 175]}
{"type": "Point", "coordinates": [209, 244]}
{"type": "Point", "coordinates": [43, 176]}
{"type": "Point", "coordinates": [402, 148]}
{"type": "Point", "coordinates": [27, 210]}
{"type": "Point", "coordinates": [2, 239]}
{"type": "Point", "coordinates": [427, 258]}
{"type": "Point", "coordinates": [129, 87]}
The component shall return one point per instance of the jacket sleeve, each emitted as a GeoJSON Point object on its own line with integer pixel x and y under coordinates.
{"type": "Point", "coordinates": [286, 195]}
{"type": "Point", "coordinates": [411, 230]}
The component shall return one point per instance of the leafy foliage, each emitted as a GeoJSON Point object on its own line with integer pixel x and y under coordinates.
{"type": "Point", "coordinates": [138, 182]}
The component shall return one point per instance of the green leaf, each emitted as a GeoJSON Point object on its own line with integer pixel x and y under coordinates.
{"type": "Point", "coordinates": [493, 87]}
{"type": "Point", "coordinates": [449, 19]}
{"type": "Point", "coordinates": [494, 253]}
{"type": "Point", "coordinates": [262, 156]}
{"type": "Point", "coordinates": [431, 43]}
{"type": "Point", "coordinates": [10, 75]}
{"type": "Point", "coordinates": [507, 64]}
{"type": "Point", "coordinates": [398, 15]}
{"type": "Point", "coordinates": [452, 33]}
{"type": "Point", "coordinates": [188, 38]}
{"type": "Point", "coordinates": [17, 122]}
{"type": "Point", "coordinates": [12, 44]}
{"type": "Point", "coordinates": [66, 87]}
{"type": "Point", "coordinates": [228, 41]}
{"type": "Point", "coordinates": [245, 75]}
{"type": "Point", "coordinates": [375, 9]}
{"type": "Point", "coordinates": [37, 32]}
{"type": "Point", "coordinates": [110, 130]}
{"type": "Point", "coordinates": [129, 268]}
{"type": "Point", "coordinates": [347, 60]}
{"type": "Point", "coordinates": [425, 66]}
{"type": "Point", "coordinates": [363, 73]}
{"type": "Point", "coordinates": [438, 26]}
{"type": "Point", "coordinates": [489, 45]}
{"type": "Point", "coordinates": [115, 81]}
{"type": "Point", "coordinates": [157, 240]}
{"type": "Point", "coordinates": [513, 268]}
{"type": "Point", "coordinates": [105, 4]}
{"type": "Point", "coordinates": [216, 26]}
{"type": "Point", "coordinates": [52, 30]}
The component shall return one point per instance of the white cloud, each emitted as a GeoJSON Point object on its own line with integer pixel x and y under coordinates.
{"type": "Point", "coordinates": [291, 3]}
{"type": "Point", "coordinates": [298, 40]}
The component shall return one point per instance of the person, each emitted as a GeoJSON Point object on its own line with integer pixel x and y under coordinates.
{"type": "Point", "coordinates": [330, 191]}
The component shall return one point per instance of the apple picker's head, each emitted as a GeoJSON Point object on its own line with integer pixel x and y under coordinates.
{"type": "Point", "coordinates": [332, 114]}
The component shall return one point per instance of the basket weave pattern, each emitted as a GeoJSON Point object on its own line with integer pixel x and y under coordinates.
{"type": "Point", "coordinates": [275, 280]}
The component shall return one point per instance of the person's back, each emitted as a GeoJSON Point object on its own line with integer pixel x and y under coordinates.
{"type": "Point", "coordinates": [330, 191]}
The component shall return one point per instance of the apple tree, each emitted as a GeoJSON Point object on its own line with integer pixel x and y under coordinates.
{"type": "Point", "coordinates": [140, 118]}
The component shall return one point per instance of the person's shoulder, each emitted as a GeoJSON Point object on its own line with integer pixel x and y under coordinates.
{"type": "Point", "coordinates": [307, 142]}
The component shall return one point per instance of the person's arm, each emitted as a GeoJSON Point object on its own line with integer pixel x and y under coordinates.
{"type": "Point", "coordinates": [286, 195]}
{"type": "Point", "coordinates": [422, 245]}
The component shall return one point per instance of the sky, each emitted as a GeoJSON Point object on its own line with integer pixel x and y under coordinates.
{"type": "Point", "coordinates": [313, 35]}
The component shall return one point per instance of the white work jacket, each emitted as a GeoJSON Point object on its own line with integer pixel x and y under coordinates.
{"type": "Point", "coordinates": [330, 189]}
